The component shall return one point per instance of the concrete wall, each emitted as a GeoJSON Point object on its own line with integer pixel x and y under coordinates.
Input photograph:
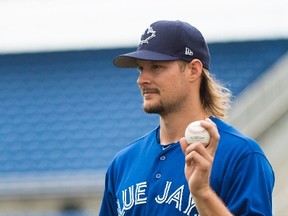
{"type": "Point", "coordinates": [275, 144]}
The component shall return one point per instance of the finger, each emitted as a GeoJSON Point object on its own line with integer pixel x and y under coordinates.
{"type": "Point", "coordinates": [209, 125]}
{"type": "Point", "coordinates": [184, 144]}
{"type": "Point", "coordinates": [198, 148]}
{"type": "Point", "coordinates": [198, 157]}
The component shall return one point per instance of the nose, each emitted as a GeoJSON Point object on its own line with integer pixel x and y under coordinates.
{"type": "Point", "coordinates": [143, 78]}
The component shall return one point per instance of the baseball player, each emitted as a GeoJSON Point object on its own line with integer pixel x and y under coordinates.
{"type": "Point", "coordinates": [160, 173]}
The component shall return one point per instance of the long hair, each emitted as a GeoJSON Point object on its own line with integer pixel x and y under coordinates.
{"type": "Point", "coordinates": [215, 97]}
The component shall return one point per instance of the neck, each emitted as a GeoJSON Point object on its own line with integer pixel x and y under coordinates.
{"type": "Point", "coordinates": [173, 125]}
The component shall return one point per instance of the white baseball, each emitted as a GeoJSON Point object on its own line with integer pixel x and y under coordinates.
{"type": "Point", "coordinates": [196, 133]}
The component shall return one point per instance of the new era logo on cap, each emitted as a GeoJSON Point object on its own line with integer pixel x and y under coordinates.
{"type": "Point", "coordinates": [165, 41]}
{"type": "Point", "coordinates": [188, 51]}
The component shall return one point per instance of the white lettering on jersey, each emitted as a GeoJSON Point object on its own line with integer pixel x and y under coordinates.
{"type": "Point", "coordinates": [140, 193]}
{"type": "Point", "coordinates": [162, 199]}
{"type": "Point", "coordinates": [130, 200]}
{"type": "Point", "coordinates": [190, 206]}
{"type": "Point", "coordinates": [176, 197]}
{"type": "Point", "coordinates": [136, 195]}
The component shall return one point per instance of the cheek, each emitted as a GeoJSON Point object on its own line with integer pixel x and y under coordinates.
{"type": "Point", "coordinates": [179, 90]}
{"type": "Point", "coordinates": [172, 91]}
{"type": "Point", "coordinates": [174, 85]}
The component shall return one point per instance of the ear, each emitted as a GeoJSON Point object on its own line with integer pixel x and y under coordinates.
{"type": "Point", "coordinates": [195, 69]}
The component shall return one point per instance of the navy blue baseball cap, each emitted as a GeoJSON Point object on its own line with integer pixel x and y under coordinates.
{"type": "Point", "coordinates": [166, 41]}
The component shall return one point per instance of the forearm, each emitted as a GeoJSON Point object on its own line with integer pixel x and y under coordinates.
{"type": "Point", "coordinates": [209, 204]}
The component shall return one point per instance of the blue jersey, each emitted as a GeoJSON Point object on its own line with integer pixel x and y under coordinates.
{"type": "Point", "coordinates": [148, 179]}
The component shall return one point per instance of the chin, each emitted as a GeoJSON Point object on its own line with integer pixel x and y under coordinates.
{"type": "Point", "coordinates": [153, 108]}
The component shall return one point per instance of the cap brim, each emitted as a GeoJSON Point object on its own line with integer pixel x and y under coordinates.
{"type": "Point", "coordinates": [129, 60]}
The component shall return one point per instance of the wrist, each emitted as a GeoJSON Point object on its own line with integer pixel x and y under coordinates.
{"type": "Point", "coordinates": [203, 194]}
{"type": "Point", "coordinates": [208, 203]}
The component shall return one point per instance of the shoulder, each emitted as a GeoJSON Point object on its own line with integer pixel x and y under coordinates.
{"type": "Point", "coordinates": [139, 144]}
{"type": "Point", "coordinates": [134, 149]}
{"type": "Point", "coordinates": [231, 138]}
{"type": "Point", "coordinates": [237, 150]}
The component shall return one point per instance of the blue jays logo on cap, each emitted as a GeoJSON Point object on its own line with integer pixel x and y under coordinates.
{"type": "Point", "coordinates": [150, 34]}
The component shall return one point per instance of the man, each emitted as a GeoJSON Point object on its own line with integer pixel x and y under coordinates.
{"type": "Point", "coordinates": [160, 173]}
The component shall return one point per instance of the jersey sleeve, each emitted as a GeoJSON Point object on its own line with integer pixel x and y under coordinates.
{"type": "Point", "coordinates": [250, 192]}
{"type": "Point", "coordinates": [109, 204]}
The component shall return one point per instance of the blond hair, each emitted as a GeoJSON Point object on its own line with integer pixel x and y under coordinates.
{"type": "Point", "coordinates": [215, 97]}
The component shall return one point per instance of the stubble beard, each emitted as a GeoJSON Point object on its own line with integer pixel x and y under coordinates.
{"type": "Point", "coordinates": [154, 109]}
{"type": "Point", "coordinates": [161, 108]}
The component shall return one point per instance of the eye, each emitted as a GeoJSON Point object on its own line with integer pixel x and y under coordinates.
{"type": "Point", "coordinates": [157, 67]}
{"type": "Point", "coordinates": [140, 69]}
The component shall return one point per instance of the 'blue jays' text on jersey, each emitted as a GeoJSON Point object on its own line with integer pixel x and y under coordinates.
{"type": "Point", "coordinates": [147, 179]}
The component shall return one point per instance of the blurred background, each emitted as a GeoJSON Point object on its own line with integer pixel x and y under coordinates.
{"type": "Point", "coordinates": [65, 110]}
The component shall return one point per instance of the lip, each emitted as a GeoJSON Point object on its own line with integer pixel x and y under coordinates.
{"type": "Point", "coordinates": [148, 95]}
{"type": "Point", "coordinates": [148, 92]}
